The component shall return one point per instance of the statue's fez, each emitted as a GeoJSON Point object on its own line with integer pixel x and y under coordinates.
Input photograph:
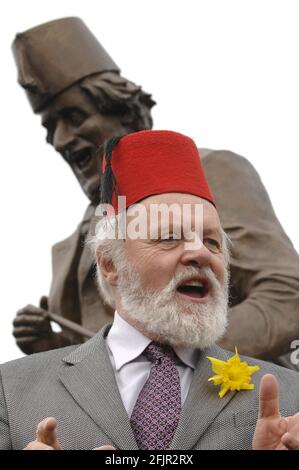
{"type": "Point", "coordinates": [54, 56]}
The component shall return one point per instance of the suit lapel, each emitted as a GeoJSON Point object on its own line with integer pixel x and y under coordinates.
{"type": "Point", "coordinates": [88, 376]}
{"type": "Point", "coordinates": [202, 404]}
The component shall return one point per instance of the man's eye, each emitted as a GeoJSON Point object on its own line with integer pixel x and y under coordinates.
{"type": "Point", "coordinates": [212, 245]}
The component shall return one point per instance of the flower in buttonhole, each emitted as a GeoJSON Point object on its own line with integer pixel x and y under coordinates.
{"type": "Point", "coordinates": [233, 374]}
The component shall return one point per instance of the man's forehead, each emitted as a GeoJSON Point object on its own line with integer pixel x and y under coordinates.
{"type": "Point", "coordinates": [175, 211]}
{"type": "Point", "coordinates": [181, 201]}
{"type": "Point", "coordinates": [207, 224]}
{"type": "Point", "coordinates": [173, 198]}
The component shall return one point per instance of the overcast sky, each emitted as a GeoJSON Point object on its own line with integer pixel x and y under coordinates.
{"type": "Point", "coordinates": [223, 72]}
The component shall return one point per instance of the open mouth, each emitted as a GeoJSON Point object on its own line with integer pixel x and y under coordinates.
{"type": "Point", "coordinates": [82, 158]}
{"type": "Point", "coordinates": [194, 288]}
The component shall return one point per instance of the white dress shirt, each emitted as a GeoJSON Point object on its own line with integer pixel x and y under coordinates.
{"type": "Point", "coordinates": [125, 347]}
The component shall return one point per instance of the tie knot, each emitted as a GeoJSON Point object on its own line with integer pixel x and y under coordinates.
{"type": "Point", "coordinates": [155, 351]}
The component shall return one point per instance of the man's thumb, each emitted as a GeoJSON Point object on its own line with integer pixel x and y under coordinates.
{"type": "Point", "coordinates": [46, 433]}
{"type": "Point", "coordinates": [269, 398]}
{"type": "Point", "coordinates": [107, 447]}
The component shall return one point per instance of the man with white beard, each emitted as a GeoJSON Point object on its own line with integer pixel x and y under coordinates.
{"type": "Point", "coordinates": [204, 321]}
{"type": "Point", "coordinates": [146, 381]}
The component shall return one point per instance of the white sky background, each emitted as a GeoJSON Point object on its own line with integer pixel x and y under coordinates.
{"type": "Point", "coordinates": [224, 72]}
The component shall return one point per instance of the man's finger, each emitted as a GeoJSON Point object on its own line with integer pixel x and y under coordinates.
{"type": "Point", "coordinates": [108, 447]}
{"type": "Point", "coordinates": [46, 433]}
{"type": "Point", "coordinates": [269, 398]}
{"type": "Point", "coordinates": [37, 446]}
{"type": "Point", "coordinates": [290, 442]}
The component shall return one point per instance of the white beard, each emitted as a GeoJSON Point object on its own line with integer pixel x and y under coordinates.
{"type": "Point", "coordinates": [161, 314]}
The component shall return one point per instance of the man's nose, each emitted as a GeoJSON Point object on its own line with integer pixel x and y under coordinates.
{"type": "Point", "coordinates": [64, 137]}
{"type": "Point", "coordinates": [195, 252]}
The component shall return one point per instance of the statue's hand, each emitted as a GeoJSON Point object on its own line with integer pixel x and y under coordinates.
{"type": "Point", "coordinates": [32, 329]}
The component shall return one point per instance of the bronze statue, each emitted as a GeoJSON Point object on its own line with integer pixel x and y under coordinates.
{"type": "Point", "coordinates": [83, 100]}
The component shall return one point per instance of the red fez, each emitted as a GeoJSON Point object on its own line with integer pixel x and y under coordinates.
{"type": "Point", "coordinates": [154, 162]}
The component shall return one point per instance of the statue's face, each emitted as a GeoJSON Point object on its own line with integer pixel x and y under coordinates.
{"type": "Point", "coordinates": [76, 128]}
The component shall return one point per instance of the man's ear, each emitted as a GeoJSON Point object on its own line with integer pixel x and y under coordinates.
{"type": "Point", "coordinates": [107, 268]}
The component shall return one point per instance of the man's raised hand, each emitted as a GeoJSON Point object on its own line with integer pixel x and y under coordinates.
{"type": "Point", "coordinates": [273, 432]}
{"type": "Point", "coordinates": [46, 437]}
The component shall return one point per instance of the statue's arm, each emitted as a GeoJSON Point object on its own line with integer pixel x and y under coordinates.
{"type": "Point", "coordinates": [264, 313]}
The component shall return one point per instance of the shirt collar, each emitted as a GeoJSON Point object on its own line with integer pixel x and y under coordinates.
{"type": "Point", "coordinates": [188, 356]}
{"type": "Point", "coordinates": [126, 344]}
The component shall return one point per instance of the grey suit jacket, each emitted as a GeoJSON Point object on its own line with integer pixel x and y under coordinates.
{"type": "Point", "coordinates": [77, 385]}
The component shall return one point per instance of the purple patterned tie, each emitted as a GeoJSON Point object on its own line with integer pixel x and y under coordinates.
{"type": "Point", "coordinates": [157, 410]}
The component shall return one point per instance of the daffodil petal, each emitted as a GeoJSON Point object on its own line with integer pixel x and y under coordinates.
{"type": "Point", "coordinates": [223, 390]}
{"type": "Point", "coordinates": [247, 386]}
{"type": "Point", "coordinates": [253, 369]}
{"type": "Point", "coordinates": [217, 379]}
{"type": "Point", "coordinates": [234, 360]}
{"type": "Point", "coordinates": [218, 366]}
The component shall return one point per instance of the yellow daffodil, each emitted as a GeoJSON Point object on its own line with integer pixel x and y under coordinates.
{"type": "Point", "coordinates": [232, 374]}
